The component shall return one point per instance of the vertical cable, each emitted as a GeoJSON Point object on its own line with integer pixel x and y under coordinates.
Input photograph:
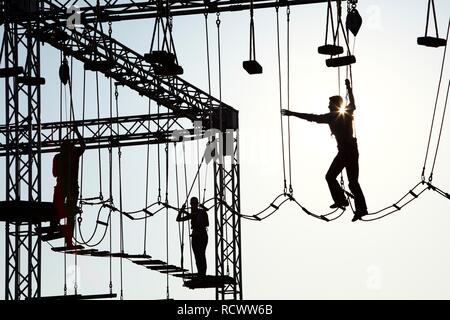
{"type": "Point", "coordinates": [435, 105]}
{"type": "Point", "coordinates": [288, 19]}
{"type": "Point", "coordinates": [167, 216]}
{"type": "Point", "coordinates": [281, 100]}
{"type": "Point", "coordinates": [147, 178]}
{"type": "Point", "coordinates": [187, 198]}
{"type": "Point", "coordinates": [98, 127]}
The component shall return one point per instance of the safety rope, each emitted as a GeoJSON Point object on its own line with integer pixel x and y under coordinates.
{"type": "Point", "coordinates": [82, 134]}
{"type": "Point", "coordinates": [180, 234]}
{"type": "Point", "coordinates": [288, 40]}
{"type": "Point", "coordinates": [147, 179]}
{"type": "Point", "coordinates": [281, 100]}
{"type": "Point", "coordinates": [110, 162]}
{"type": "Point", "coordinates": [186, 201]}
{"type": "Point", "coordinates": [434, 110]}
{"type": "Point", "coordinates": [440, 133]}
{"type": "Point", "coordinates": [159, 158]}
{"type": "Point", "coordinates": [167, 217]}
{"type": "Point", "coordinates": [99, 152]}
{"type": "Point", "coordinates": [119, 156]}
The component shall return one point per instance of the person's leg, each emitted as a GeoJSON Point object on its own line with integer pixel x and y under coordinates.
{"type": "Point", "coordinates": [58, 203]}
{"type": "Point", "coordinates": [196, 248]}
{"type": "Point", "coordinates": [352, 168]}
{"type": "Point", "coordinates": [335, 189]}
{"type": "Point", "coordinates": [72, 200]}
{"type": "Point", "coordinates": [203, 239]}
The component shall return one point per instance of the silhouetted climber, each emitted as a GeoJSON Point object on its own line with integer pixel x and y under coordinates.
{"type": "Point", "coordinates": [340, 120]}
{"type": "Point", "coordinates": [199, 235]}
{"type": "Point", "coordinates": [65, 196]}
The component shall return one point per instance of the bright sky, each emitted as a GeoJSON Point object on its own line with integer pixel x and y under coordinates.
{"type": "Point", "coordinates": [290, 255]}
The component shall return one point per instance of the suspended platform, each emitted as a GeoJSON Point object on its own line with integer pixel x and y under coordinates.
{"type": "Point", "coordinates": [79, 297]}
{"type": "Point", "coordinates": [204, 282]}
{"type": "Point", "coordinates": [26, 211]}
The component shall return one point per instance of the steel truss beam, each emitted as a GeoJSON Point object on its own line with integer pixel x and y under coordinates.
{"type": "Point", "coordinates": [109, 132]}
{"type": "Point", "coordinates": [129, 68]}
{"type": "Point", "coordinates": [114, 10]}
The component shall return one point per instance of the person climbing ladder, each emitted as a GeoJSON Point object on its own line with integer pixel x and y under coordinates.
{"type": "Point", "coordinates": [340, 120]}
{"type": "Point", "coordinates": [65, 196]}
{"type": "Point", "coordinates": [200, 222]}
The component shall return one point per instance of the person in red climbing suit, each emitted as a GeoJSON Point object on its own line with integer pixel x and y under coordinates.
{"type": "Point", "coordinates": [340, 120]}
{"type": "Point", "coordinates": [65, 196]}
{"type": "Point", "coordinates": [199, 225]}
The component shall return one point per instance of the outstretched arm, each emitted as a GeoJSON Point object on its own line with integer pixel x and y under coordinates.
{"type": "Point", "coordinates": [186, 216]}
{"type": "Point", "coordinates": [351, 106]}
{"type": "Point", "coordinates": [319, 118]}
{"type": "Point", "coordinates": [80, 138]}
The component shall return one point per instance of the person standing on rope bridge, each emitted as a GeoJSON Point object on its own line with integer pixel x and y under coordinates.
{"type": "Point", "coordinates": [340, 120]}
{"type": "Point", "coordinates": [65, 197]}
{"type": "Point", "coordinates": [200, 222]}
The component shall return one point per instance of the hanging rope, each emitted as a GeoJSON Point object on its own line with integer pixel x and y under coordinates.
{"type": "Point", "coordinates": [252, 46]}
{"type": "Point", "coordinates": [440, 134]}
{"type": "Point", "coordinates": [167, 216]}
{"type": "Point", "coordinates": [180, 225]}
{"type": "Point", "coordinates": [119, 156]}
{"type": "Point", "coordinates": [281, 101]}
{"type": "Point", "coordinates": [430, 178]}
{"type": "Point", "coordinates": [431, 2]}
{"type": "Point", "coordinates": [99, 153]}
{"type": "Point", "coordinates": [186, 201]}
{"type": "Point", "coordinates": [159, 158]}
{"type": "Point", "coordinates": [75, 284]}
{"type": "Point", "coordinates": [207, 53]}
{"type": "Point", "coordinates": [288, 13]}
{"type": "Point", "coordinates": [147, 178]}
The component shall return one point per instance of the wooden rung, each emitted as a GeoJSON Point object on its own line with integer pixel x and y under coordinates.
{"type": "Point", "coordinates": [164, 267]}
{"type": "Point", "coordinates": [101, 254]}
{"type": "Point", "coordinates": [173, 270]}
{"type": "Point", "coordinates": [413, 194]}
{"type": "Point", "coordinates": [149, 262]}
{"type": "Point", "coordinates": [52, 236]}
{"type": "Point", "coordinates": [102, 223]}
{"type": "Point", "coordinates": [186, 275]}
{"type": "Point", "coordinates": [10, 72]}
{"type": "Point", "coordinates": [120, 255]}
{"type": "Point", "coordinates": [84, 252]}
{"type": "Point", "coordinates": [431, 42]}
{"type": "Point", "coordinates": [31, 81]}
{"type": "Point", "coordinates": [62, 249]}
{"type": "Point", "coordinates": [202, 282]}
{"type": "Point", "coordinates": [139, 256]}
